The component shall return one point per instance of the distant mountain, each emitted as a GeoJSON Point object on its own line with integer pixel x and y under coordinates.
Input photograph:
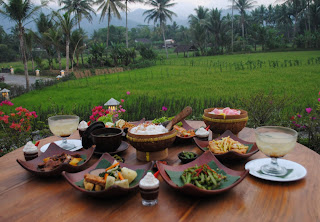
{"type": "Point", "coordinates": [135, 18]}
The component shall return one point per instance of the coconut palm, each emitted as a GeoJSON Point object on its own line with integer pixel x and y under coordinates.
{"type": "Point", "coordinates": [126, 3]}
{"type": "Point", "coordinates": [55, 36]}
{"type": "Point", "coordinates": [242, 6]}
{"type": "Point", "coordinates": [30, 40]}
{"type": "Point", "coordinates": [20, 12]}
{"type": "Point", "coordinates": [81, 8]}
{"type": "Point", "coordinates": [66, 24]}
{"type": "Point", "coordinates": [109, 8]}
{"type": "Point", "coordinates": [161, 13]}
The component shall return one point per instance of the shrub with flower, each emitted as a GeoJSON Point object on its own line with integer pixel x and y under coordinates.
{"type": "Point", "coordinates": [308, 121]}
{"type": "Point", "coordinates": [16, 126]}
{"type": "Point", "coordinates": [107, 115]}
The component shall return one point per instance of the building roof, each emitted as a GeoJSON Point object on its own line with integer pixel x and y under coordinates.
{"type": "Point", "coordinates": [185, 48]}
{"type": "Point", "coordinates": [112, 102]}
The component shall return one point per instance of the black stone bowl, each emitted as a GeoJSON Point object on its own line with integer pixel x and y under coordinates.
{"type": "Point", "coordinates": [107, 139]}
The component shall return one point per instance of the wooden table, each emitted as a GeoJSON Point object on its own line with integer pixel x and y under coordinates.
{"type": "Point", "coordinates": [24, 197]}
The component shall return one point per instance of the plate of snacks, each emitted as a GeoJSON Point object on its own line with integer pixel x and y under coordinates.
{"type": "Point", "coordinates": [185, 131]}
{"type": "Point", "coordinates": [202, 177]}
{"type": "Point", "coordinates": [55, 160]}
{"type": "Point", "coordinates": [108, 177]}
{"type": "Point", "coordinates": [228, 147]}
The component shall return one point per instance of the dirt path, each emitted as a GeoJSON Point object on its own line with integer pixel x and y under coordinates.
{"type": "Point", "coordinates": [20, 79]}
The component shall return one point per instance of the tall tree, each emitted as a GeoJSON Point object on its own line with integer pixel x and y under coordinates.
{"type": "Point", "coordinates": [161, 13]}
{"type": "Point", "coordinates": [81, 8]}
{"type": "Point", "coordinates": [242, 6]}
{"type": "Point", "coordinates": [55, 36]}
{"type": "Point", "coordinates": [109, 8]}
{"type": "Point", "coordinates": [126, 3]}
{"type": "Point", "coordinates": [21, 11]}
{"type": "Point", "coordinates": [30, 40]}
{"type": "Point", "coordinates": [66, 23]}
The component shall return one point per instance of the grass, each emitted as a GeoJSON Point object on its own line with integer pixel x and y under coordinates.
{"type": "Point", "coordinates": [199, 80]}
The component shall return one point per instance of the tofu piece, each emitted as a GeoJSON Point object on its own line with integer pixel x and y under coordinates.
{"type": "Point", "coordinates": [122, 183]}
{"type": "Point", "coordinates": [97, 188]}
{"type": "Point", "coordinates": [128, 174]}
{"type": "Point", "coordinates": [88, 186]}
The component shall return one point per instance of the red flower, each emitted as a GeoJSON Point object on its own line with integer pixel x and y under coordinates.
{"type": "Point", "coordinates": [292, 117]}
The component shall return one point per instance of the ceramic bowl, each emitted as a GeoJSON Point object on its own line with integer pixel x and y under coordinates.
{"type": "Point", "coordinates": [74, 178]}
{"type": "Point", "coordinates": [186, 160]}
{"type": "Point", "coordinates": [235, 177]}
{"type": "Point", "coordinates": [231, 155]}
{"type": "Point", "coordinates": [53, 149]}
{"type": "Point", "coordinates": [107, 139]}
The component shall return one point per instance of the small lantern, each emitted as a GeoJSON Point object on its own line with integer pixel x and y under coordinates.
{"type": "Point", "coordinates": [37, 72]}
{"type": "Point", "coordinates": [112, 104]}
{"type": "Point", "coordinates": [62, 73]}
{"type": "Point", "coordinates": [5, 93]}
{"type": "Point", "coordinates": [58, 77]}
{"type": "Point", "coordinates": [11, 70]}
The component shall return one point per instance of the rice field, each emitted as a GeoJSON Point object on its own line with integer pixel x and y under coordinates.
{"type": "Point", "coordinates": [196, 81]}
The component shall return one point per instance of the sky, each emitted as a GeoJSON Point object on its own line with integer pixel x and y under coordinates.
{"type": "Point", "coordinates": [183, 8]}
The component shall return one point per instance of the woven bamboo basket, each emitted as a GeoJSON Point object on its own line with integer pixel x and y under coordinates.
{"type": "Point", "coordinates": [219, 123]}
{"type": "Point", "coordinates": [152, 143]}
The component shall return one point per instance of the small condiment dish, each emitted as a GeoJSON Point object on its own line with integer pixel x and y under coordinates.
{"type": "Point", "coordinates": [183, 156]}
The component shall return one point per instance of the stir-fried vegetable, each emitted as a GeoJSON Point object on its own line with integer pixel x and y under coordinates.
{"type": "Point", "coordinates": [203, 177]}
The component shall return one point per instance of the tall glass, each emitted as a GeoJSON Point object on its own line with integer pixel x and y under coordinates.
{"type": "Point", "coordinates": [275, 142]}
{"type": "Point", "coordinates": [63, 126]}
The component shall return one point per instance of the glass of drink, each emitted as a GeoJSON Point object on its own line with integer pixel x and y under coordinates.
{"type": "Point", "coordinates": [275, 142]}
{"type": "Point", "coordinates": [63, 126]}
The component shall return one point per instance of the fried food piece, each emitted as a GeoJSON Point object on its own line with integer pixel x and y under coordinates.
{"type": "Point", "coordinates": [227, 144]}
{"type": "Point", "coordinates": [88, 186]}
{"type": "Point", "coordinates": [95, 179]}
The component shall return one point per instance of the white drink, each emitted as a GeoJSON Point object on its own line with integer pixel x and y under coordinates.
{"type": "Point", "coordinates": [63, 127]}
{"type": "Point", "coordinates": [275, 144]}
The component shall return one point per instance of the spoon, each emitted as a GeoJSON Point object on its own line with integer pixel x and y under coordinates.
{"type": "Point", "coordinates": [183, 114]}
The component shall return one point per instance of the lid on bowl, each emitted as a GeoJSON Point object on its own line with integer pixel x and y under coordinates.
{"type": "Point", "coordinates": [86, 138]}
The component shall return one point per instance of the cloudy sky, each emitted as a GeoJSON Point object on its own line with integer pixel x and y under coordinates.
{"type": "Point", "coordinates": [185, 7]}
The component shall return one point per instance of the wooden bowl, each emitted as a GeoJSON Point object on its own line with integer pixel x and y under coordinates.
{"type": "Point", "coordinates": [152, 143]}
{"type": "Point", "coordinates": [219, 123]}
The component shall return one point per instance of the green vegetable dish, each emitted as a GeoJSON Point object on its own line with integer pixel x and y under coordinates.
{"type": "Point", "coordinates": [203, 177]}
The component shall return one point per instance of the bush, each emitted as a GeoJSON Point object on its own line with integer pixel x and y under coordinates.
{"type": "Point", "coordinates": [141, 64]}
{"type": "Point", "coordinates": [146, 52]}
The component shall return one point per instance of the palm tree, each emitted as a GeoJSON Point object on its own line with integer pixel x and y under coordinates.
{"type": "Point", "coordinates": [55, 36]}
{"type": "Point", "coordinates": [161, 13]}
{"type": "Point", "coordinates": [242, 6]}
{"type": "Point", "coordinates": [66, 23]}
{"type": "Point", "coordinates": [126, 3]}
{"type": "Point", "coordinates": [80, 8]}
{"type": "Point", "coordinates": [198, 26]}
{"type": "Point", "coordinates": [110, 7]}
{"type": "Point", "coordinates": [21, 11]}
{"type": "Point", "coordinates": [30, 39]}
{"type": "Point", "coordinates": [43, 24]}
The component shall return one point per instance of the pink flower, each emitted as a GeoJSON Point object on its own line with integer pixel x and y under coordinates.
{"type": "Point", "coordinates": [6, 102]}
{"type": "Point", "coordinates": [299, 116]}
{"type": "Point", "coordinates": [319, 99]}
{"type": "Point", "coordinates": [128, 93]}
{"type": "Point", "coordinates": [164, 108]}
{"type": "Point", "coordinates": [1, 113]}
{"type": "Point", "coordinates": [308, 110]}
{"type": "Point", "coordinates": [116, 115]}
{"type": "Point", "coordinates": [123, 110]}
{"type": "Point", "coordinates": [122, 100]}
{"type": "Point", "coordinates": [92, 117]}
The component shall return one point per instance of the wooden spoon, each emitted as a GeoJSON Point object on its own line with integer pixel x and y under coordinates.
{"type": "Point", "coordinates": [183, 114]}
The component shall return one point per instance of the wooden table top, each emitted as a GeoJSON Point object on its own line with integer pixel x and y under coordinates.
{"type": "Point", "coordinates": [24, 197]}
